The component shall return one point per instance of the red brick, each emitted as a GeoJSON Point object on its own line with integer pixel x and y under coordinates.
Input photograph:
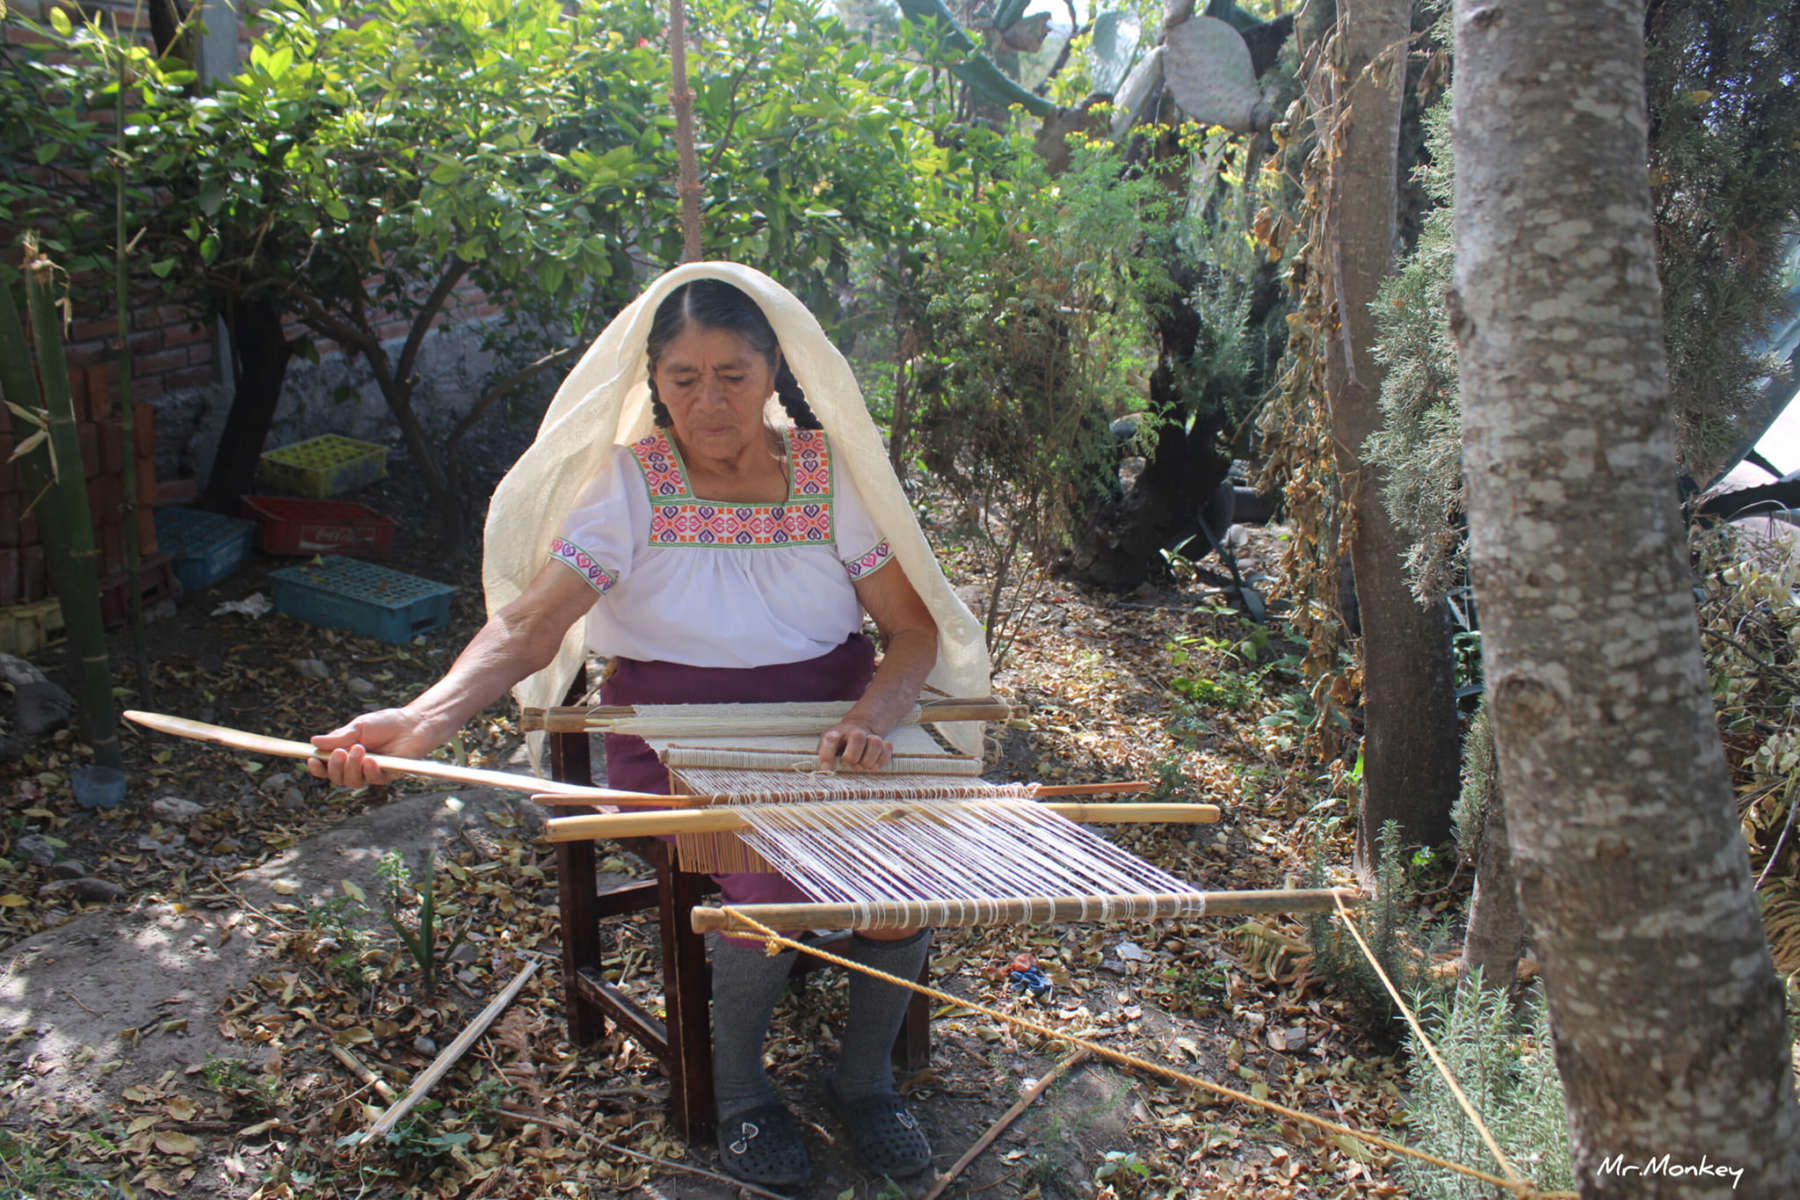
{"type": "Point", "coordinates": [112, 549]}
{"type": "Point", "coordinates": [158, 363]}
{"type": "Point", "coordinates": [112, 448]}
{"type": "Point", "coordinates": [34, 580]}
{"type": "Point", "coordinates": [186, 333]}
{"type": "Point", "coordinates": [143, 428]}
{"type": "Point", "coordinates": [84, 356]}
{"type": "Point", "coordinates": [147, 389]}
{"type": "Point", "coordinates": [93, 329]}
{"type": "Point", "coordinates": [78, 392]}
{"type": "Point", "coordinates": [11, 507]}
{"type": "Point", "coordinates": [192, 377]}
{"type": "Point", "coordinates": [100, 391]}
{"type": "Point", "coordinates": [200, 354]}
{"type": "Point", "coordinates": [146, 523]}
{"type": "Point", "coordinates": [89, 436]}
{"type": "Point", "coordinates": [5, 425]}
{"type": "Point", "coordinates": [9, 473]}
{"type": "Point", "coordinates": [28, 531]}
{"type": "Point", "coordinates": [146, 480]}
{"type": "Point", "coordinates": [9, 577]}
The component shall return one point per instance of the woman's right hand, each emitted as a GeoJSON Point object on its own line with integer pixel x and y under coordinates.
{"type": "Point", "coordinates": [392, 731]}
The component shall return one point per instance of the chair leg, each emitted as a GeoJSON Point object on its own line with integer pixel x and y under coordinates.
{"type": "Point", "coordinates": [687, 999]}
{"type": "Point", "coordinates": [581, 937]}
{"type": "Point", "coordinates": [912, 1046]}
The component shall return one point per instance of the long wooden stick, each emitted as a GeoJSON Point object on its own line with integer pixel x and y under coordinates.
{"type": "Point", "coordinates": [1027, 910]}
{"type": "Point", "coordinates": [1006, 1118]}
{"type": "Point", "coordinates": [686, 800]}
{"type": "Point", "coordinates": [257, 743]}
{"type": "Point", "coordinates": [447, 1057]}
{"type": "Point", "coordinates": [581, 718]}
{"type": "Point", "coordinates": [720, 819]}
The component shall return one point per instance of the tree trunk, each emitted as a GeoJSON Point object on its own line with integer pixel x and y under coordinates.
{"type": "Point", "coordinates": [1666, 1009]}
{"type": "Point", "coordinates": [1410, 751]}
{"type": "Point", "coordinates": [1496, 930]}
{"type": "Point", "coordinates": [260, 351]}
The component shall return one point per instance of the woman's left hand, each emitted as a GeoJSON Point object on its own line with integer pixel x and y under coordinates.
{"type": "Point", "coordinates": [850, 745]}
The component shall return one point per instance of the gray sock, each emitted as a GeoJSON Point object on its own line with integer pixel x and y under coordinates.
{"type": "Point", "coordinates": [866, 1067]}
{"type": "Point", "coordinates": [746, 983]}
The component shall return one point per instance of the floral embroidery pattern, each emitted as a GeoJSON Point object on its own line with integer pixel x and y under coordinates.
{"type": "Point", "coordinates": [812, 464]}
{"type": "Point", "coordinates": [598, 577]}
{"type": "Point", "coordinates": [856, 568]}
{"type": "Point", "coordinates": [677, 518]}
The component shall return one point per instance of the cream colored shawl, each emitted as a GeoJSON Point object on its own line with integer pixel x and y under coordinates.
{"type": "Point", "coordinates": [605, 401]}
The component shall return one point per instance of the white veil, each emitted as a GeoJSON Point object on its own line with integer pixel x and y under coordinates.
{"type": "Point", "coordinates": [605, 401]}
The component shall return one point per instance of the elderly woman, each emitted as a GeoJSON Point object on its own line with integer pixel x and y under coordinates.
{"type": "Point", "coordinates": [716, 558]}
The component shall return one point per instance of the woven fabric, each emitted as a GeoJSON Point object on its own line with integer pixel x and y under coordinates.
{"type": "Point", "coordinates": [605, 401]}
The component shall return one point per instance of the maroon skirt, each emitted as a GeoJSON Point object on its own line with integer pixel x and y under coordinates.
{"type": "Point", "coordinates": [631, 765]}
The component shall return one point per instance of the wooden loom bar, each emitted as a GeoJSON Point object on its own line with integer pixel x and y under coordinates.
{"type": "Point", "coordinates": [257, 743]}
{"type": "Point", "coordinates": [1119, 787]}
{"type": "Point", "coordinates": [580, 718]}
{"type": "Point", "coordinates": [1029, 910]}
{"type": "Point", "coordinates": [723, 819]}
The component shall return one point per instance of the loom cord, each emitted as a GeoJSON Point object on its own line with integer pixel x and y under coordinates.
{"type": "Point", "coordinates": [1521, 1188]}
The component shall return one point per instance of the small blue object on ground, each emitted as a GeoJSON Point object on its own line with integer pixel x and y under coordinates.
{"type": "Point", "coordinates": [376, 602]}
{"type": "Point", "coordinates": [99, 787]}
{"type": "Point", "coordinates": [1031, 982]}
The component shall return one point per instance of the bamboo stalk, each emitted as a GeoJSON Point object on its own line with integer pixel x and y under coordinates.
{"type": "Point", "coordinates": [1006, 1118]}
{"type": "Point", "coordinates": [596, 718]}
{"type": "Point", "coordinates": [134, 558]}
{"type": "Point", "coordinates": [1027, 910]}
{"type": "Point", "coordinates": [257, 743]}
{"type": "Point", "coordinates": [447, 1057]}
{"type": "Point", "coordinates": [722, 819]}
{"type": "Point", "coordinates": [359, 1068]}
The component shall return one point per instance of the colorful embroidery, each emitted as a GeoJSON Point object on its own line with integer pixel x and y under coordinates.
{"type": "Point", "coordinates": [811, 462]}
{"type": "Point", "coordinates": [598, 577]}
{"type": "Point", "coordinates": [678, 519]}
{"type": "Point", "coordinates": [874, 560]}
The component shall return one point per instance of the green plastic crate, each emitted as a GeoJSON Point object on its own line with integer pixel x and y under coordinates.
{"type": "Point", "coordinates": [324, 466]}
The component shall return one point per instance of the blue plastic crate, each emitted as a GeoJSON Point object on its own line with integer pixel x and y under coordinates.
{"type": "Point", "coordinates": [206, 547]}
{"type": "Point", "coordinates": [377, 602]}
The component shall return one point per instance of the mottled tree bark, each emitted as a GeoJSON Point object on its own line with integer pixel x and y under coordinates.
{"type": "Point", "coordinates": [1496, 929]}
{"type": "Point", "coordinates": [1632, 871]}
{"type": "Point", "coordinates": [1410, 751]}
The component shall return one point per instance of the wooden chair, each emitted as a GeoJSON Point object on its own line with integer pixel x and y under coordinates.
{"type": "Point", "coordinates": [682, 1040]}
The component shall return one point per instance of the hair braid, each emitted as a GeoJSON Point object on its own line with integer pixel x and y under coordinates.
{"type": "Point", "coordinates": [787, 390]}
{"type": "Point", "coordinates": [659, 412]}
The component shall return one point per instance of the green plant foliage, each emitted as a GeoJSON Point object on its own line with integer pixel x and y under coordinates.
{"type": "Point", "coordinates": [1506, 1067]}
{"type": "Point", "coordinates": [1480, 776]}
{"type": "Point", "coordinates": [1030, 310]}
{"type": "Point", "coordinates": [420, 932]}
{"type": "Point", "coordinates": [1398, 933]}
{"type": "Point", "coordinates": [1750, 631]}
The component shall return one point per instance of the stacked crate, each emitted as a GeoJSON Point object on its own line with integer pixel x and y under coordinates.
{"type": "Point", "coordinates": [28, 609]}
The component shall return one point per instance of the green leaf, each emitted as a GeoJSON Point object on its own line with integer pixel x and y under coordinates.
{"type": "Point", "coordinates": [209, 249]}
{"type": "Point", "coordinates": [161, 268]}
{"type": "Point", "coordinates": [49, 150]}
{"type": "Point", "coordinates": [337, 210]}
{"type": "Point", "coordinates": [59, 21]}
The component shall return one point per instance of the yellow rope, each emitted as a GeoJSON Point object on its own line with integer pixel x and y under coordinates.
{"type": "Point", "coordinates": [1413, 1023]}
{"type": "Point", "coordinates": [1518, 1187]}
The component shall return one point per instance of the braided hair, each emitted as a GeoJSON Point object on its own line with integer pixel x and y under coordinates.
{"type": "Point", "coordinates": [715, 304]}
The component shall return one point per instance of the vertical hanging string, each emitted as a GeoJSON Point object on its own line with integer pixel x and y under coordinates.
{"type": "Point", "coordinates": [688, 187]}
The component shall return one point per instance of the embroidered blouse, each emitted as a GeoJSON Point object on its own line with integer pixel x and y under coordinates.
{"type": "Point", "coordinates": [714, 584]}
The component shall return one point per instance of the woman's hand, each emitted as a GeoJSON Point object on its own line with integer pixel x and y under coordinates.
{"type": "Point", "coordinates": [851, 745]}
{"type": "Point", "coordinates": [392, 731]}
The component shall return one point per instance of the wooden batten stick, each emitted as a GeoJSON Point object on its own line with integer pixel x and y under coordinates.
{"type": "Point", "coordinates": [257, 743]}
{"type": "Point", "coordinates": [360, 1069]}
{"type": "Point", "coordinates": [574, 718]}
{"type": "Point", "coordinates": [1118, 787]}
{"type": "Point", "coordinates": [721, 819]}
{"type": "Point", "coordinates": [1006, 1118]}
{"type": "Point", "coordinates": [1029, 910]}
{"type": "Point", "coordinates": [447, 1058]}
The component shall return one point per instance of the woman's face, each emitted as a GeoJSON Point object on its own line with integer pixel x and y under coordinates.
{"type": "Point", "coordinates": [714, 384]}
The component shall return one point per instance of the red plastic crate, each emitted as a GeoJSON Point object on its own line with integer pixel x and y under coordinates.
{"type": "Point", "coordinates": [291, 525]}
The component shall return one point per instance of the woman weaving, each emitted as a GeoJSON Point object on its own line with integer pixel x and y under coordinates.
{"type": "Point", "coordinates": [716, 558]}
